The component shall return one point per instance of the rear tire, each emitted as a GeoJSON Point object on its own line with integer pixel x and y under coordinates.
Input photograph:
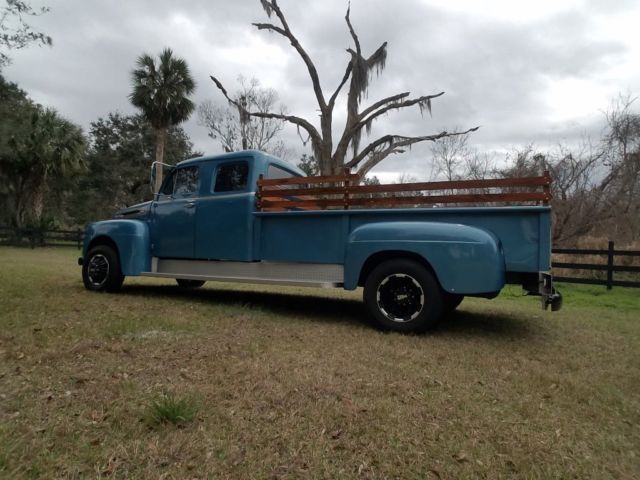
{"type": "Point", "coordinates": [101, 270]}
{"type": "Point", "coordinates": [403, 296]}
{"type": "Point", "coordinates": [185, 283]}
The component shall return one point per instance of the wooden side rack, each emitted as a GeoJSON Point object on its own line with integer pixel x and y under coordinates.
{"type": "Point", "coordinates": [344, 192]}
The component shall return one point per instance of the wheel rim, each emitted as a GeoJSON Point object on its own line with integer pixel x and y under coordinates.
{"type": "Point", "coordinates": [400, 297]}
{"type": "Point", "coordinates": [98, 270]}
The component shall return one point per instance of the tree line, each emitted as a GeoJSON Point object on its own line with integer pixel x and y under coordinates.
{"type": "Point", "coordinates": [53, 174]}
{"type": "Point", "coordinates": [596, 183]}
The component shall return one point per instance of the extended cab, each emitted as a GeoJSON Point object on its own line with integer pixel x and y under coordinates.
{"type": "Point", "coordinates": [415, 264]}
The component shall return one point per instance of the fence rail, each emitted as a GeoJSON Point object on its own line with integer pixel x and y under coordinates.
{"type": "Point", "coordinates": [35, 237]}
{"type": "Point", "coordinates": [610, 267]}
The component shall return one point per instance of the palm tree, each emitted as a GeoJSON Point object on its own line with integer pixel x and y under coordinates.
{"type": "Point", "coordinates": [44, 146]}
{"type": "Point", "coordinates": [161, 91]}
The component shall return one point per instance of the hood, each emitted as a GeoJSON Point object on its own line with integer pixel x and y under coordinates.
{"type": "Point", "coordinates": [139, 210]}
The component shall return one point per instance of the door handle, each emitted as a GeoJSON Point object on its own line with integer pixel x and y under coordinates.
{"type": "Point", "coordinates": [189, 204]}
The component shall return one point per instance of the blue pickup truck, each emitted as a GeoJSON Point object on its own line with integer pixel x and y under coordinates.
{"type": "Point", "coordinates": [415, 264]}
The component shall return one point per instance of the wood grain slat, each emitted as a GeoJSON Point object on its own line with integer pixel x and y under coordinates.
{"type": "Point", "coordinates": [413, 187]}
{"type": "Point", "coordinates": [281, 193]}
{"type": "Point", "coordinates": [410, 200]}
{"type": "Point", "coordinates": [307, 180]}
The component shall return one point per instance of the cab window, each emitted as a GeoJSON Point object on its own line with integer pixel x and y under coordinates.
{"type": "Point", "coordinates": [231, 177]}
{"type": "Point", "coordinates": [169, 181]}
{"type": "Point", "coordinates": [187, 181]}
{"type": "Point", "coordinates": [276, 172]}
{"type": "Point", "coordinates": [273, 171]}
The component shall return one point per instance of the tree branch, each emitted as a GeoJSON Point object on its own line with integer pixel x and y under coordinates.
{"type": "Point", "coordinates": [269, 26]}
{"type": "Point", "coordinates": [285, 31]}
{"type": "Point", "coordinates": [364, 121]}
{"type": "Point", "coordinates": [380, 103]}
{"type": "Point", "coordinates": [385, 145]}
{"type": "Point", "coordinates": [407, 103]}
{"type": "Point", "coordinates": [301, 122]}
{"type": "Point", "coordinates": [345, 77]}
{"type": "Point", "coordinates": [374, 159]}
{"type": "Point", "coordinates": [356, 40]}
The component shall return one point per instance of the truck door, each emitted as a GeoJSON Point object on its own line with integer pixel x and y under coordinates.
{"type": "Point", "coordinates": [174, 213]}
{"type": "Point", "coordinates": [224, 224]}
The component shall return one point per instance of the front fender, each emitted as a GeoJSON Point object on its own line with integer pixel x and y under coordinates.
{"type": "Point", "coordinates": [466, 260]}
{"type": "Point", "coordinates": [131, 237]}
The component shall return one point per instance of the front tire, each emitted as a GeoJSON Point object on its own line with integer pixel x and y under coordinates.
{"type": "Point", "coordinates": [403, 296]}
{"type": "Point", "coordinates": [101, 270]}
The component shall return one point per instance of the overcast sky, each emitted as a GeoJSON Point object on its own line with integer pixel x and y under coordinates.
{"type": "Point", "coordinates": [536, 72]}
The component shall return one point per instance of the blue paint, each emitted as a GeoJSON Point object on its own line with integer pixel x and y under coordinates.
{"type": "Point", "coordinates": [131, 238]}
{"type": "Point", "coordinates": [224, 227]}
{"type": "Point", "coordinates": [453, 251]}
{"type": "Point", "coordinates": [470, 249]}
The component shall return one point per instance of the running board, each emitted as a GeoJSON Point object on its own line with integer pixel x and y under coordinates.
{"type": "Point", "coordinates": [276, 273]}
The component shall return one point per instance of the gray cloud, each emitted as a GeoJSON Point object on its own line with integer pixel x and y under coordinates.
{"type": "Point", "coordinates": [498, 73]}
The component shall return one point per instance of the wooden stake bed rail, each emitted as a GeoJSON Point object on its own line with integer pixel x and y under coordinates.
{"type": "Point", "coordinates": [343, 191]}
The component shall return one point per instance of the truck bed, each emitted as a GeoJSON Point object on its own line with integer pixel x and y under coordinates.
{"type": "Point", "coordinates": [321, 236]}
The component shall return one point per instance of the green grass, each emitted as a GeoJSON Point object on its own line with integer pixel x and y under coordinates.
{"type": "Point", "coordinates": [294, 382]}
{"type": "Point", "coordinates": [168, 408]}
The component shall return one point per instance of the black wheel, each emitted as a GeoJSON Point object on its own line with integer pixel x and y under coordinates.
{"type": "Point", "coordinates": [451, 301]}
{"type": "Point", "coordinates": [184, 283]}
{"type": "Point", "coordinates": [403, 296]}
{"type": "Point", "coordinates": [101, 270]}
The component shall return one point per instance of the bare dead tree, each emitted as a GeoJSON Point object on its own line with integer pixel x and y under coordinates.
{"type": "Point", "coordinates": [235, 131]}
{"type": "Point", "coordinates": [478, 166]}
{"type": "Point", "coordinates": [450, 156]}
{"type": "Point", "coordinates": [622, 157]}
{"type": "Point", "coordinates": [333, 159]}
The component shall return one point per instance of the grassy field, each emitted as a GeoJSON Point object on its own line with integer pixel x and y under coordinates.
{"type": "Point", "coordinates": [294, 383]}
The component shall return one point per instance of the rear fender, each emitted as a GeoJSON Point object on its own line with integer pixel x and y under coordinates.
{"type": "Point", "coordinates": [131, 238]}
{"type": "Point", "coordinates": [466, 260]}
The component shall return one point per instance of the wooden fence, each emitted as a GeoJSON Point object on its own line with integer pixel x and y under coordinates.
{"type": "Point", "coordinates": [35, 237]}
{"type": "Point", "coordinates": [609, 268]}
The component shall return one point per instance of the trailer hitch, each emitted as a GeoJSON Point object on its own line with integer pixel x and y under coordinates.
{"type": "Point", "coordinates": [549, 295]}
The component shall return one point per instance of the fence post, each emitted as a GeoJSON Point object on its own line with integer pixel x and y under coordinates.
{"type": "Point", "coordinates": [79, 238]}
{"type": "Point", "coordinates": [610, 266]}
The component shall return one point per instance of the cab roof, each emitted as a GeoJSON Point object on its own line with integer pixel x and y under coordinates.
{"type": "Point", "coordinates": [255, 154]}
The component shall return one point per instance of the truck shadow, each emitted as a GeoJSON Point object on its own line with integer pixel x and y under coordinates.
{"type": "Point", "coordinates": [335, 310]}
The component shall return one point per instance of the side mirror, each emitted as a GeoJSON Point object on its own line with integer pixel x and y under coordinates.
{"type": "Point", "coordinates": [156, 175]}
{"type": "Point", "coordinates": [152, 178]}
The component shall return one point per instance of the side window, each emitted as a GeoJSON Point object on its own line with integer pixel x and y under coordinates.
{"type": "Point", "coordinates": [276, 172]}
{"type": "Point", "coordinates": [232, 177]}
{"type": "Point", "coordinates": [169, 181]}
{"type": "Point", "coordinates": [187, 181]}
